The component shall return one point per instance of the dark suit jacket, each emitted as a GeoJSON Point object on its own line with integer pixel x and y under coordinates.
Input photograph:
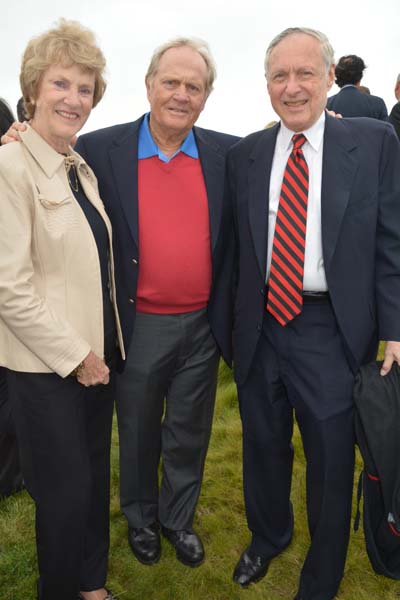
{"type": "Point", "coordinates": [360, 208]}
{"type": "Point", "coordinates": [113, 155]}
{"type": "Point", "coordinates": [394, 118]}
{"type": "Point", "coordinates": [350, 102]}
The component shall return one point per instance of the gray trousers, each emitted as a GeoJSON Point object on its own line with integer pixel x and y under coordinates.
{"type": "Point", "coordinates": [165, 403]}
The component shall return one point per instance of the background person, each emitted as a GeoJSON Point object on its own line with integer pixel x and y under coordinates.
{"type": "Point", "coordinates": [21, 114]}
{"type": "Point", "coordinates": [10, 470]}
{"type": "Point", "coordinates": [351, 101]}
{"type": "Point", "coordinates": [316, 205]}
{"type": "Point", "coordinates": [6, 116]}
{"type": "Point", "coordinates": [58, 325]}
{"type": "Point", "coordinates": [394, 116]}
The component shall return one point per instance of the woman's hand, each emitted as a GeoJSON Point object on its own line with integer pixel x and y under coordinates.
{"type": "Point", "coordinates": [94, 371]}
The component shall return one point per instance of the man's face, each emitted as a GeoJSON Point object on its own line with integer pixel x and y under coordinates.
{"type": "Point", "coordinates": [177, 92]}
{"type": "Point", "coordinates": [298, 83]}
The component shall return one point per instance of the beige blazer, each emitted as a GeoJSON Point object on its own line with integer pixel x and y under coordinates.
{"type": "Point", "coordinates": [51, 307]}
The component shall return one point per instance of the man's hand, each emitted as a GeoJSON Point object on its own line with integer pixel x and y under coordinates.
{"type": "Point", "coordinates": [12, 134]}
{"type": "Point", "coordinates": [392, 354]}
{"type": "Point", "coordinates": [94, 371]}
{"type": "Point", "coordinates": [333, 114]}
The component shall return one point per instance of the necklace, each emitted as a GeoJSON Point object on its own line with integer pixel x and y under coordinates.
{"type": "Point", "coordinates": [71, 173]}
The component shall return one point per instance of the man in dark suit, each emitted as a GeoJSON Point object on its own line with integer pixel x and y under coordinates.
{"type": "Point", "coordinates": [316, 206]}
{"type": "Point", "coordinates": [394, 116]}
{"type": "Point", "coordinates": [161, 180]}
{"type": "Point", "coordinates": [351, 101]}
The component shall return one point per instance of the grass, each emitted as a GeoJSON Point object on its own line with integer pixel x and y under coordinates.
{"type": "Point", "coordinates": [221, 522]}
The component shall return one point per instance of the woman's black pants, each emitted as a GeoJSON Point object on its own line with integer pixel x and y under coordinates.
{"type": "Point", "coordinates": [64, 433]}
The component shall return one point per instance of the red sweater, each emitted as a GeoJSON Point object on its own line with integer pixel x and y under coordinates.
{"type": "Point", "coordinates": [174, 236]}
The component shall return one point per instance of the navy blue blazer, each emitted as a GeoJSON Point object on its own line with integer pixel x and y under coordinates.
{"type": "Point", "coordinates": [350, 102]}
{"type": "Point", "coordinates": [360, 212]}
{"type": "Point", "coordinates": [113, 155]}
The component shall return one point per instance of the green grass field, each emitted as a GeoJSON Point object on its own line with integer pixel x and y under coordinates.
{"type": "Point", "coordinates": [221, 522]}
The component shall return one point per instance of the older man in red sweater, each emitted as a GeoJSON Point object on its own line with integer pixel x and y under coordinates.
{"type": "Point", "coordinates": [162, 182]}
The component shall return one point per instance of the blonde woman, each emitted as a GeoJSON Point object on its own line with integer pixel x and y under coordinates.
{"type": "Point", "coordinates": [58, 319]}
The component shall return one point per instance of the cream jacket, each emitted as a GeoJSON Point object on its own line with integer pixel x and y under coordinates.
{"type": "Point", "coordinates": [51, 307]}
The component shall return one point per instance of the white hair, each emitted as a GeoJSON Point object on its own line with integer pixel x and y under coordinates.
{"type": "Point", "coordinates": [326, 48]}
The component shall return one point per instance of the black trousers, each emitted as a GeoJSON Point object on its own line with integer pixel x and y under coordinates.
{"type": "Point", "coordinates": [301, 369]}
{"type": "Point", "coordinates": [64, 432]}
{"type": "Point", "coordinates": [165, 402]}
{"type": "Point", "coordinates": [10, 469]}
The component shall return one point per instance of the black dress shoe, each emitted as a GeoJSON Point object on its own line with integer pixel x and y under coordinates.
{"type": "Point", "coordinates": [187, 544]}
{"type": "Point", "coordinates": [145, 543]}
{"type": "Point", "coordinates": [250, 568]}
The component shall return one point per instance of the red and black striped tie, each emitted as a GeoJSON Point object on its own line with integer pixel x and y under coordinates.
{"type": "Point", "coordinates": [285, 284]}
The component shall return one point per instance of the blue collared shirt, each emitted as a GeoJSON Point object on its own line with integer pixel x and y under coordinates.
{"type": "Point", "coordinates": [147, 146]}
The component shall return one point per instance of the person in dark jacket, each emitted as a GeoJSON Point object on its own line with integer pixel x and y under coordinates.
{"type": "Point", "coordinates": [351, 101]}
{"type": "Point", "coordinates": [10, 471]}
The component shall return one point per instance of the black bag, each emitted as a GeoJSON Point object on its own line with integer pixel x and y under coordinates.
{"type": "Point", "coordinates": [377, 426]}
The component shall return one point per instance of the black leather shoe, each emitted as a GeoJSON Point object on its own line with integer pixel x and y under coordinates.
{"type": "Point", "coordinates": [250, 568]}
{"type": "Point", "coordinates": [145, 543]}
{"type": "Point", "coordinates": [187, 544]}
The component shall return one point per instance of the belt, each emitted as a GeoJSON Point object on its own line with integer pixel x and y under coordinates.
{"type": "Point", "coordinates": [310, 297]}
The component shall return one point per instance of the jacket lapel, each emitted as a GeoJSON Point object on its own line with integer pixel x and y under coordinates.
{"type": "Point", "coordinates": [338, 170]}
{"type": "Point", "coordinates": [124, 160]}
{"type": "Point", "coordinates": [213, 167]}
{"type": "Point", "coordinates": [260, 163]}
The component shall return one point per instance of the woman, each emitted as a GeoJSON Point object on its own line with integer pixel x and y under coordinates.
{"type": "Point", "coordinates": [57, 323]}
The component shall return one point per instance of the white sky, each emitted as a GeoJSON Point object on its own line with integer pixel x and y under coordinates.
{"type": "Point", "coordinates": [238, 32]}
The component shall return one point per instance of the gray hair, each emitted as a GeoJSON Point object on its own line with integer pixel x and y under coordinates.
{"type": "Point", "coordinates": [398, 78]}
{"type": "Point", "coordinates": [196, 44]}
{"type": "Point", "coordinates": [326, 48]}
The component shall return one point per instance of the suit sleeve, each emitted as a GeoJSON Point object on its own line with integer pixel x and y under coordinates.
{"type": "Point", "coordinates": [388, 239]}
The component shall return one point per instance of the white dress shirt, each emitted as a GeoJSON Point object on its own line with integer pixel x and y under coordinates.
{"type": "Point", "coordinates": [314, 271]}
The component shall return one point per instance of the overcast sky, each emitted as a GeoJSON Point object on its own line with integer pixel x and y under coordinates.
{"type": "Point", "coordinates": [238, 32]}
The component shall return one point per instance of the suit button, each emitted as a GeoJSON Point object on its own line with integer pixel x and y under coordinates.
{"type": "Point", "coordinates": [262, 291]}
{"type": "Point", "coordinates": [258, 327]}
{"type": "Point", "coordinates": [135, 262]}
{"type": "Point", "coordinates": [132, 300]}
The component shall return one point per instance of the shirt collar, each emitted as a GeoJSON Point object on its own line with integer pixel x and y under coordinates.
{"type": "Point", "coordinates": [148, 148]}
{"type": "Point", "coordinates": [314, 134]}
